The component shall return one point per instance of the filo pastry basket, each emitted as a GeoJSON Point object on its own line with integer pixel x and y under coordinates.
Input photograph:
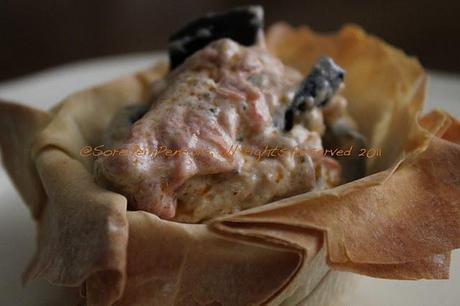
{"type": "Point", "coordinates": [401, 221]}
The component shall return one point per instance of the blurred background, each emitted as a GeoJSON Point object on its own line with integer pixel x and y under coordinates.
{"type": "Point", "coordinates": [38, 34]}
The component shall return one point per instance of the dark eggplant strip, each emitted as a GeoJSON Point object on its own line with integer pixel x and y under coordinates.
{"type": "Point", "coordinates": [242, 25]}
{"type": "Point", "coordinates": [341, 136]}
{"type": "Point", "coordinates": [316, 89]}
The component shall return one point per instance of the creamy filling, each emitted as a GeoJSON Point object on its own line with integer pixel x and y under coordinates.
{"type": "Point", "coordinates": [201, 150]}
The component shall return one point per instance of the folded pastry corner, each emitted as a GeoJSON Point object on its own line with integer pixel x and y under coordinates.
{"type": "Point", "coordinates": [19, 122]}
{"type": "Point", "coordinates": [372, 226]}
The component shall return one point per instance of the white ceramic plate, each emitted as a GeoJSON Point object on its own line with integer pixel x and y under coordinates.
{"type": "Point", "coordinates": [17, 232]}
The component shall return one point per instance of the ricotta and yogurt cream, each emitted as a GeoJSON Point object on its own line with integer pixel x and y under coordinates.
{"type": "Point", "coordinates": [191, 151]}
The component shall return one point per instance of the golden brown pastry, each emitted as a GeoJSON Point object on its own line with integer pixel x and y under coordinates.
{"type": "Point", "coordinates": [400, 221]}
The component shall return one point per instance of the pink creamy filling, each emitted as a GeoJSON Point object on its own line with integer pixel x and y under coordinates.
{"type": "Point", "coordinates": [225, 96]}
